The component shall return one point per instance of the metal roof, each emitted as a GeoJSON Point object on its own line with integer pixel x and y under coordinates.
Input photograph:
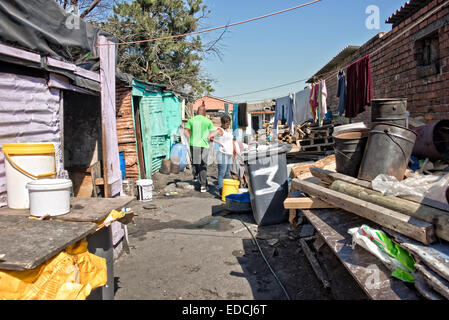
{"type": "Point", "coordinates": [336, 61]}
{"type": "Point", "coordinates": [406, 11]}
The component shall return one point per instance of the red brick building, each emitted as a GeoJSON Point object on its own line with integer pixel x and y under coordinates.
{"type": "Point", "coordinates": [411, 61]}
{"type": "Point", "coordinates": [213, 104]}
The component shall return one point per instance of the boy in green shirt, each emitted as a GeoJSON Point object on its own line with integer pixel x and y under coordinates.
{"type": "Point", "coordinates": [198, 128]}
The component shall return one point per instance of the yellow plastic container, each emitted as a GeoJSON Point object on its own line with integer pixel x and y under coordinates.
{"type": "Point", "coordinates": [24, 163]}
{"type": "Point", "coordinates": [230, 186]}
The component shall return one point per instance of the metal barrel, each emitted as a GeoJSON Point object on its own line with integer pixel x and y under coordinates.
{"type": "Point", "coordinates": [432, 141]}
{"type": "Point", "coordinates": [391, 110]}
{"type": "Point", "coordinates": [388, 151]}
{"type": "Point", "coordinates": [349, 147]}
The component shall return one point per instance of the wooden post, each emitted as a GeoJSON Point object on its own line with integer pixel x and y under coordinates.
{"type": "Point", "coordinates": [111, 162]}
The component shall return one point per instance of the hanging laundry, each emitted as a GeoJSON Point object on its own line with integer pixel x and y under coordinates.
{"type": "Point", "coordinates": [319, 108]}
{"type": "Point", "coordinates": [284, 112]}
{"type": "Point", "coordinates": [313, 101]}
{"type": "Point", "coordinates": [235, 117]}
{"type": "Point", "coordinates": [243, 115]}
{"type": "Point", "coordinates": [323, 98]}
{"type": "Point", "coordinates": [301, 107]}
{"type": "Point", "coordinates": [341, 93]}
{"type": "Point", "coordinates": [359, 87]}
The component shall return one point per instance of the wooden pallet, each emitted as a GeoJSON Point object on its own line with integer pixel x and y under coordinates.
{"type": "Point", "coordinates": [318, 147]}
{"type": "Point", "coordinates": [315, 141]}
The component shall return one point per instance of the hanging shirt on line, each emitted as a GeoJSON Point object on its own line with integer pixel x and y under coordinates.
{"type": "Point", "coordinates": [284, 112]}
{"type": "Point", "coordinates": [341, 93]}
{"type": "Point", "coordinates": [301, 108]}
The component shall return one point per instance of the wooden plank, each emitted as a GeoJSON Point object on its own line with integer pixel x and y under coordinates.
{"type": "Point", "coordinates": [331, 176]}
{"type": "Point", "coordinates": [95, 173]}
{"type": "Point", "coordinates": [87, 74]}
{"type": "Point", "coordinates": [424, 289]}
{"type": "Point", "coordinates": [19, 54]}
{"type": "Point", "coordinates": [436, 282]}
{"type": "Point", "coordinates": [139, 139]}
{"type": "Point", "coordinates": [439, 218]}
{"type": "Point", "coordinates": [292, 218]}
{"type": "Point", "coordinates": [81, 209]}
{"type": "Point", "coordinates": [27, 243]}
{"type": "Point", "coordinates": [306, 203]}
{"type": "Point", "coordinates": [411, 227]}
{"type": "Point", "coordinates": [332, 225]}
{"type": "Point", "coordinates": [303, 168]}
{"type": "Point", "coordinates": [61, 82]}
{"type": "Point", "coordinates": [317, 145]}
{"type": "Point", "coordinates": [81, 182]}
{"type": "Point", "coordinates": [111, 164]}
{"type": "Point", "coordinates": [314, 263]}
{"type": "Point", "coordinates": [60, 64]}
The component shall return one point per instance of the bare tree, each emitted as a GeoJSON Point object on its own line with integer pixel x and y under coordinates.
{"type": "Point", "coordinates": [91, 10]}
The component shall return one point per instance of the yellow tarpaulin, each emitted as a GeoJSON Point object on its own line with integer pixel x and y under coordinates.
{"type": "Point", "coordinates": [70, 275]}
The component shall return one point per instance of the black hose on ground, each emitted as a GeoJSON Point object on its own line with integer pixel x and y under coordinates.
{"type": "Point", "coordinates": [266, 261]}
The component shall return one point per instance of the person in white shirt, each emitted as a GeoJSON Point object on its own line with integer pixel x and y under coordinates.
{"type": "Point", "coordinates": [224, 138]}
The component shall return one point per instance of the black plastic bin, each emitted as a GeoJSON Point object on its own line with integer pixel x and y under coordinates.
{"type": "Point", "coordinates": [266, 169]}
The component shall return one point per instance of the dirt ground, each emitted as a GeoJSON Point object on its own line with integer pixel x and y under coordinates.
{"type": "Point", "coordinates": [188, 246]}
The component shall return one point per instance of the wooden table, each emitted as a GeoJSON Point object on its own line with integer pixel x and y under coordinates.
{"type": "Point", "coordinates": [333, 225]}
{"type": "Point", "coordinates": [28, 242]}
{"type": "Point", "coordinates": [82, 209]}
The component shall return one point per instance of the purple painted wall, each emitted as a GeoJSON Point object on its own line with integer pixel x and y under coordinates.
{"type": "Point", "coordinates": [29, 112]}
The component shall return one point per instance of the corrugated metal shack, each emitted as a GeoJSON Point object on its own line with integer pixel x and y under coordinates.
{"type": "Point", "coordinates": [148, 120]}
{"type": "Point", "coordinates": [47, 98]}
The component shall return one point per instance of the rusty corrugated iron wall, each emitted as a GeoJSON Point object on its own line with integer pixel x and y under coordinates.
{"type": "Point", "coordinates": [125, 132]}
{"type": "Point", "coordinates": [29, 112]}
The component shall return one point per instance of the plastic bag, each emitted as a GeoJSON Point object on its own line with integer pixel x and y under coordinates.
{"type": "Point", "coordinates": [428, 186]}
{"type": "Point", "coordinates": [395, 258]}
{"type": "Point", "coordinates": [70, 275]}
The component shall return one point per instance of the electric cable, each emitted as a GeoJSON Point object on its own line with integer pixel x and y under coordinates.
{"type": "Point", "coordinates": [216, 28]}
{"type": "Point", "coordinates": [279, 86]}
{"type": "Point", "coordinates": [266, 261]}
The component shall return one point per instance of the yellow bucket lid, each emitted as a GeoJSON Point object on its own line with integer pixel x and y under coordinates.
{"type": "Point", "coordinates": [28, 148]}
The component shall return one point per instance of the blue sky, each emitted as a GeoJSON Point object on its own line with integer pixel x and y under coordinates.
{"type": "Point", "coordinates": [286, 47]}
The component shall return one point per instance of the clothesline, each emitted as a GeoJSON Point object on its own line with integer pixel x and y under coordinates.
{"type": "Point", "coordinates": [371, 54]}
{"type": "Point", "coordinates": [212, 29]}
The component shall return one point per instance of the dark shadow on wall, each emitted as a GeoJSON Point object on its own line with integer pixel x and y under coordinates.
{"type": "Point", "coordinates": [82, 138]}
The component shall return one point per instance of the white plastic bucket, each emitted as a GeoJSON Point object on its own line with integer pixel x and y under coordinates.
{"type": "Point", "coordinates": [144, 189]}
{"type": "Point", "coordinates": [25, 162]}
{"type": "Point", "coordinates": [49, 196]}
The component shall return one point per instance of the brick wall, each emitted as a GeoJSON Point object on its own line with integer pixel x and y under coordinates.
{"type": "Point", "coordinates": [212, 103]}
{"type": "Point", "coordinates": [396, 68]}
